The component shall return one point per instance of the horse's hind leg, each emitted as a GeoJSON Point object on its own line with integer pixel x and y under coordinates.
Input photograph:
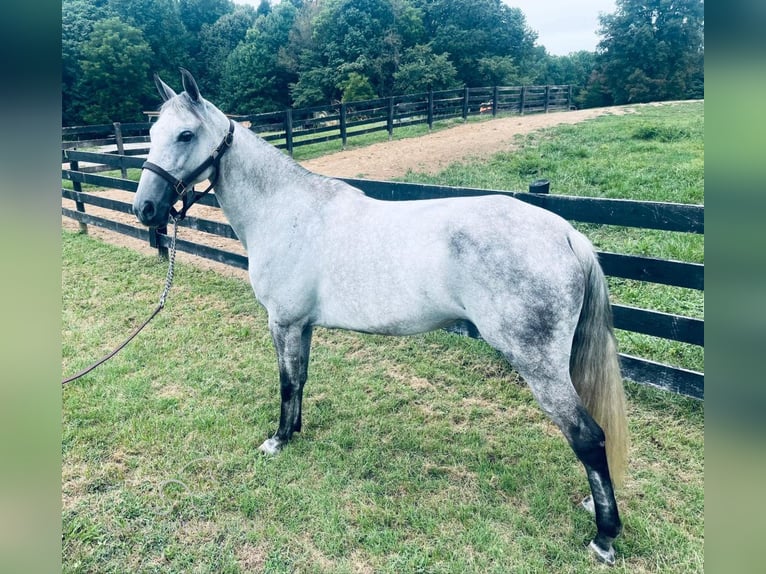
{"type": "Point", "coordinates": [558, 398]}
{"type": "Point", "coordinates": [292, 343]}
{"type": "Point", "coordinates": [545, 367]}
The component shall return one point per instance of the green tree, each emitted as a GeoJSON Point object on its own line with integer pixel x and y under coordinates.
{"type": "Point", "coordinates": [470, 30]}
{"type": "Point", "coordinates": [264, 8]}
{"type": "Point", "coordinates": [115, 69]}
{"type": "Point", "coordinates": [422, 70]}
{"type": "Point", "coordinates": [356, 88]}
{"type": "Point", "coordinates": [195, 14]}
{"type": "Point", "coordinates": [77, 20]}
{"type": "Point", "coordinates": [163, 30]}
{"type": "Point", "coordinates": [255, 78]}
{"type": "Point", "coordinates": [652, 50]}
{"type": "Point", "coordinates": [216, 42]}
{"type": "Point", "coordinates": [357, 36]}
{"type": "Point", "coordinates": [496, 71]}
{"type": "Point", "coordinates": [313, 88]}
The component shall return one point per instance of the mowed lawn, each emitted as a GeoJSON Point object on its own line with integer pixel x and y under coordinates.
{"type": "Point", "coordinates": [420, 454]}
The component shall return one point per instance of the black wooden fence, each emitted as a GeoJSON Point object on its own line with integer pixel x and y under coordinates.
{"type": "Point", "coordinates": [291, 128]}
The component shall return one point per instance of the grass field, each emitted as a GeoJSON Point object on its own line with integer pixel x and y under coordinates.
{"type": "Point", "coordinates": [420, 454]}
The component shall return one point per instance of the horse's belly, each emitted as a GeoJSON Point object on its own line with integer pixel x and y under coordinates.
{"type": "Point", "coordinates": [388, 311]}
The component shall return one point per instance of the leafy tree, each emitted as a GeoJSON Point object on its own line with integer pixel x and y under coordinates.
{"type": "Point", "coordinates": [314, 87]}
{"type": "Point", "coordinates": [254, 77]}
{"type": "Point", "coordinates": [195, 14]}
{"type": "Point", "coordinates": [216, 42]}
{"type": "Point", "coordinates": [422, 70]}
{"type": "Point", "coordinates": [115, 68]}
{"type": "Point", "coordinates": [652, 50]}
{"type": "Point", "coordinates": [496, 71]}
{"type": "Point", "coordinates": [357, 36]}
{"type": "Point", "coordinates": [356, 88]}
{"type": "Point", "coordinates": [77, 20]}
{"type": "Point", "coordinates": [470, 30]}
{"type": "Point", "coordinates": [264, 8]}
{"type": "Point", "coordinates": [409, 23]}
{"type": "Point", "coordinates": [161, 24]}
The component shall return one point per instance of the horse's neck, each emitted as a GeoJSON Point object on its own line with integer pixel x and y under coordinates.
{"type": "Point", "coordinates": [255, 179]}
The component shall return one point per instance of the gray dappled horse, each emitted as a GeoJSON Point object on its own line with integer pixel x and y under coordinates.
{"type": "Point", "coordinates": [322, 253]}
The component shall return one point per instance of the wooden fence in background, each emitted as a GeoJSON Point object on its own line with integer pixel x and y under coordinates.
{"type": "Point", "coordinates": [650, 215]}
{"type": "Point", "coordinates": [291, 128]}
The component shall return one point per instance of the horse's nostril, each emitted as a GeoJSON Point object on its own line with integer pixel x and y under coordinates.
{"type": "Point", "coordinates": [147, 210]}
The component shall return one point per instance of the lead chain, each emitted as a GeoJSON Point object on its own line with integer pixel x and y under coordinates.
{"type": "Point", "coordinates": [171, 264]}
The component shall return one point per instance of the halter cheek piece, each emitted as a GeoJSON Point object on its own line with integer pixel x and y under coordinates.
{"type": "Point", "coordinates": [181, 188]}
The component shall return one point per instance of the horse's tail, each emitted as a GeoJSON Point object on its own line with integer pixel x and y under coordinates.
{"type": "Point", "coordinates": [594, 365]}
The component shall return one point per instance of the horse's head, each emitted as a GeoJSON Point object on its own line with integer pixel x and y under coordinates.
{"type": "Point", "coordinates": [182, 138]}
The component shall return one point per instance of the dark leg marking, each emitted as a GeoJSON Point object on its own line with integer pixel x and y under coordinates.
{"type": "Point", "coordinates": [588, 442]}
{"type": "Point", "coordinates": [292, 343]}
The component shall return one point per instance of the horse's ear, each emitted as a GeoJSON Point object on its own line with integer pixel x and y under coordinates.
{"type": "Point", "coordinates": [166, 92]}
{"type": "Point", "coordinates": [190, 85]}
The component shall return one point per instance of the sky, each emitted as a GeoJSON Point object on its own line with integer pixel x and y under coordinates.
{"type": "Point", "coordinates": [562, 26]}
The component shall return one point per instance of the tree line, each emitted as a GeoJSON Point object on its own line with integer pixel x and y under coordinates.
{"type": "Point", "coordinates": [300, 53]}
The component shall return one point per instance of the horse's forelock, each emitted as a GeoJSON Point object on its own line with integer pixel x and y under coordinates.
{"type": "Point", "coordinates": [182, 102]}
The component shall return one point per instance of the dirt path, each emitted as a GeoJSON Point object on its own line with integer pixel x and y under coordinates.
{"type": "Point", "coordinates": [434, 152]}
{"type": "Point", "coordinates": [429, 154]}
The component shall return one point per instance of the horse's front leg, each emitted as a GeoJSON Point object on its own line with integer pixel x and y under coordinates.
{"type": "Point", "coordinates": [292, 343]}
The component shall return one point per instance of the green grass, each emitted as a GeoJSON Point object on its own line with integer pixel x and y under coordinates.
{"type": "Point", "coordinates": [655, 153]}
{"type": "Point", "coordinates": [419, 454]}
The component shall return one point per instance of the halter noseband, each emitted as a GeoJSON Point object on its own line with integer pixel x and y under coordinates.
{"type": "Point", "coordinates": [181, 187]}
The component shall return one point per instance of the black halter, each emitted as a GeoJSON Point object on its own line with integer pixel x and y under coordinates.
{"type": "Point", "coordinates": [181, 187]}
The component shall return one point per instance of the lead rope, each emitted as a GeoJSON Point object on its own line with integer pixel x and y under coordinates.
{"type": "Point", "coordinates": [160, 306]}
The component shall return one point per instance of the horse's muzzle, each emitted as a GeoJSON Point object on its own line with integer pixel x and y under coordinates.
{"type": "Point", "coordinates": [150, 213]}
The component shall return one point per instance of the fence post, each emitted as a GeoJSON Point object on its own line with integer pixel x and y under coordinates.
{"type": "Point", "coordinates": [430, 109]}
{"type": "Point", "coordinates": [77, 186]}
{"type": "Point", "coordinates": [494, 101]}
{"type": "Point", "coordinates": [154, 240]}
{"type": "Point", "coordinates": [465, 104]}
{"type": "Point", "coordinates": [569, 98]}
{"type": "Point", "coordinates": [289, 131]}
{"type": "Point", "coordinates": [343, 133]}
{"type": "Point", "coordinates": [522, 102]}
{"type": "Point", "coordinates": [540, 186]}
{"type": "Point", "coordinates": [120, 146]}
{"type": "Point", "coordinates": [547, 96]}
{"type": "Point", "coordinates": [390, 118]}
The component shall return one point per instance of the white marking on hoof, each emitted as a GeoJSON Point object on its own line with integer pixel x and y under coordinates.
{"type": "Point", "coordinates": [607, 557]}
{"type": "Point", "coordinates": [589, 505]}
{"type": "Point", "coordinates": [270, 446]}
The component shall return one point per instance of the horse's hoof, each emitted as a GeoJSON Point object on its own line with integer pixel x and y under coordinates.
{"type": "Point", "coordinates": [605, 556]}
{"type": "Point", "coordinates": [270, 446]}
{"type": "Point", "coordinates": [589, 505]}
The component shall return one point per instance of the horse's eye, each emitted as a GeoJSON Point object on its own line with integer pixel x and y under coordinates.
{"type": "Point", "coordinates": [185, 136]}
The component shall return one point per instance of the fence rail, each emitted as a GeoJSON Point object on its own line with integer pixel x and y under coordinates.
{"type": "Point", "coordinates": [641, 214]}
{"type": "Point", "coordinates": [292, 128]}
